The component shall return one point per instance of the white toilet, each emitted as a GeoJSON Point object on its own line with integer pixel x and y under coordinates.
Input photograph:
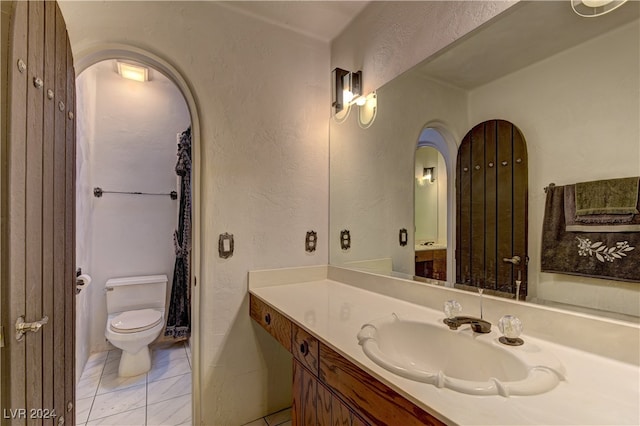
{"type": "Point", "coordinates": [135, 308]}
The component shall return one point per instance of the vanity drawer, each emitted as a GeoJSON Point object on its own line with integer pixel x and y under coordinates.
{"type": "Point", "coordinates": [271, 320]}
{"type": "Point", "coordinates": [424, 255]}
{"type": "Point", "coordinates": [305, 348]}
{"type": "Point", "coordinates": [370, 398]}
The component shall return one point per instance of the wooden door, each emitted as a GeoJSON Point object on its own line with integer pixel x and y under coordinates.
{"type": "Point", "coordinates": [38, 267]}
{"type": "Point", "coordinates": [492, 208]}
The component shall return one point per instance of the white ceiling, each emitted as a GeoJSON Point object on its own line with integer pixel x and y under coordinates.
{"type": "Point", "coordinates": [322, 20]}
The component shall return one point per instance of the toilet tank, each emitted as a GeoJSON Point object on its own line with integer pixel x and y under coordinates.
{"type": "Point", "coordinates": [130, 293]}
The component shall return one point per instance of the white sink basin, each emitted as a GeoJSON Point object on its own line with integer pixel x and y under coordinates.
{"type": "Point", "coordinates": [460, 360]}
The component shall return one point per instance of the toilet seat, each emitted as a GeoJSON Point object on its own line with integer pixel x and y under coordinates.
{"type": "Point", "coordinates": [135, 321]}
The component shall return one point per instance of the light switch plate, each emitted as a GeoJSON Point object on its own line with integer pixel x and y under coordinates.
{"type": "Point", "coordinates": [225, 245]}
{"type": "Point", "coordinates": [403, 237]}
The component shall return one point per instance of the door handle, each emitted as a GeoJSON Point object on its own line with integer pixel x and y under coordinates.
{"type": "Point", "coordinates": [23, 327]}
{"type": "Point", "coordinates": [515, 260]}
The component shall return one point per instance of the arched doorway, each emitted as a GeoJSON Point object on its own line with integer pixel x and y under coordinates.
{"type": "Point", "coordinates": [436, 134]}
{"type": "Point", "coordinates": [99, 53]}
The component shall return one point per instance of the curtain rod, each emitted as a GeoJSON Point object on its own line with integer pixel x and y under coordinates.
{"type": "Point", "coordinates": [97, 192]}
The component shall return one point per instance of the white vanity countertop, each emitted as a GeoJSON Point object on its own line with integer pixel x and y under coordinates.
{"type": "Point", "coordinates": [422, 247]}
{"type": "Point", "coordinates": [598, 390]}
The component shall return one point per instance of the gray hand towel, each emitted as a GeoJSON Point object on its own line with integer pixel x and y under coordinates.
{"type": "Point", "coordinates": [612, 196]}
{"type": "Point", "coordinates": [596, 222]}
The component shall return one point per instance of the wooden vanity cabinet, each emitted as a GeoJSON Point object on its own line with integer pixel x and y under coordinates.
{"type": "Point", "coordinates": [330, 390]}
{"type": "Point", "coordinates": [374, 401]}
{"type": "Point", "coordinates": [432, 264]}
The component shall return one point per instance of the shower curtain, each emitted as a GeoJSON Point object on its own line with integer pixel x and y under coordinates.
{"type": "Point", "coordinates": [179, 317]}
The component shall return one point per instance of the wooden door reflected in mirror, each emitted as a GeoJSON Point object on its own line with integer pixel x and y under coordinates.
{"type": "Point", "coordinates": [491, 212]}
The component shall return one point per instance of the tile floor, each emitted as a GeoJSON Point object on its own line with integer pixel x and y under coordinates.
{"type": "Point", "coordinates": [160, 397]}
{"type": "Point", "coordinates": [281, 418]}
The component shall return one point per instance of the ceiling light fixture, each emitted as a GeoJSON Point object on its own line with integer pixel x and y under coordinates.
{"type": "Point", "coordinates": [133, 72]}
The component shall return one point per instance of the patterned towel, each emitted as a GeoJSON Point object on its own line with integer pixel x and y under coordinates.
{"type": "Point", "coordinates": [608, 255]}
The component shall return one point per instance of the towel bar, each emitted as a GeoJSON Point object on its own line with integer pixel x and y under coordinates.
{"type": "Point", "coordinates": [97, 192]}
{"type": "Point", "coordinates": [546, 188]}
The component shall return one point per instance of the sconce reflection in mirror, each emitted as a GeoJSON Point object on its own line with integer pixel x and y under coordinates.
{"type": "Point", "coordinates": [428, 175]}
{"type": "Point", "coordinates": [367, 109]}
{"type": "Point", "coordinates": [345, 239]}
{"type": "Point", "coordinates": [595, 8]}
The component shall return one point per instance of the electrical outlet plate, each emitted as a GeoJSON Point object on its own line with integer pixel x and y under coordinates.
{"type": "Point", "coordinates": [345, 239]}
{"type": "Point", "coordinates": [311, 241]}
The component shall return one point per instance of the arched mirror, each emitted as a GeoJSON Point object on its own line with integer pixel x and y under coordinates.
{"type": "Point", "coordinates": [430, 201]}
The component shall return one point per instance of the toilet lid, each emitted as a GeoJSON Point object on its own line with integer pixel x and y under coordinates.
{"type": "Point", "coordinates": [135, 321]}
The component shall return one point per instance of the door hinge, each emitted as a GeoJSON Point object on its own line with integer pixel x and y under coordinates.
{"type": "Point", "coordinates": [1, 336]}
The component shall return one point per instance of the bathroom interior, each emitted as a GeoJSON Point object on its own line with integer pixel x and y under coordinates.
{"type": "Point", "coordinates": [129, 135]}
{"type": "Point", "coordinates": [270, 167]}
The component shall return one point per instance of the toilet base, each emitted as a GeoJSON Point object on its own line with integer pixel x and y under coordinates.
{"type": "Point", "coordinates": [135, 364]}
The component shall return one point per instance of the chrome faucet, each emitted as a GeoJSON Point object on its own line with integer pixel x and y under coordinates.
{"type": "Point", "coordinates": [453, 320]}
{"type": "Point", "coordinates": [478, 325]}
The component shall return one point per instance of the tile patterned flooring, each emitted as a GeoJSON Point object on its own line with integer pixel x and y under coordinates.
{"type": "Point", "coordinates": [160, 397]}
{"type": "Point", "coordinates": [281, 418]}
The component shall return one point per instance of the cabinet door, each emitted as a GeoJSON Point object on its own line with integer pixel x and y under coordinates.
{"type": "Point", "coordinates": [305, 396]}
{"type": "Point", "coordinates": [325, 405]}
{"type": "Point", "coordinates": [340, 413]}
{"type": "Point", "coordinates": [440, 265]}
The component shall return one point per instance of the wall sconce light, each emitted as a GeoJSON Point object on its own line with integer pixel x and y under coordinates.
{"type": "Point", "coordinates": [594, 8]}
{"type": "Point", "coordinates": [367, 109]}
{"type": "Point", "coordinates": [133, 72]}
{"type": "Point", "coordinates": [345, 87]}
{"type": "Point", "coordinates": [429, 174]}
